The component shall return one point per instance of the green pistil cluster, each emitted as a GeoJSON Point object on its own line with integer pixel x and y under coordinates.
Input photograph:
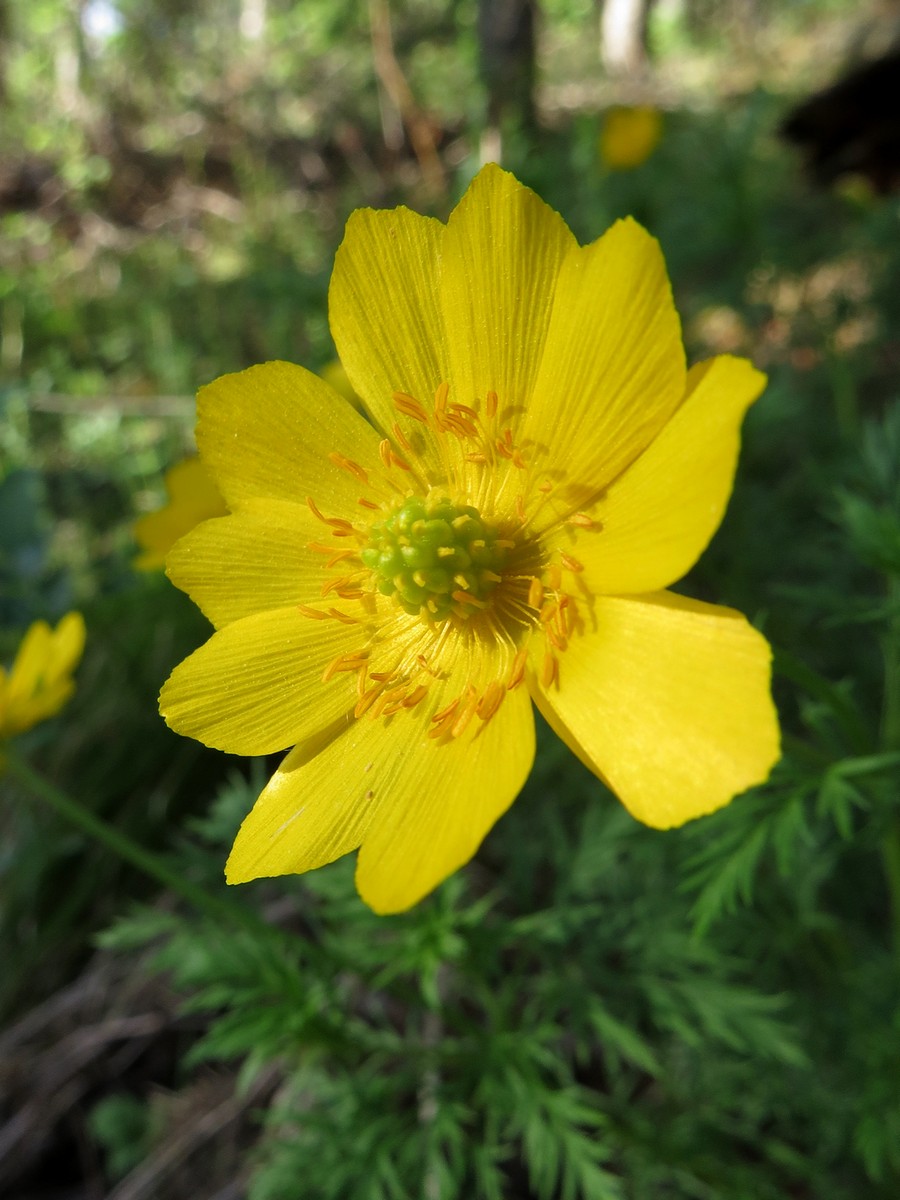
{"type": "Point", "coordinates": [435, 558]}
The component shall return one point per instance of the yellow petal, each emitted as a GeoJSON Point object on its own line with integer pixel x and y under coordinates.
{"type": "Point", "coordinates": [67, 646]}
{"type": "Point", "coordinates": [30, 662]}
{"type": "Point", "coordinates": [256, 559]}
{"type": "Point", "coordinates": [193, 497]}
{"type": "Point", "coordinates": [658, 517]}
{"type": "Point", "coordinates": [668, 700]}
{"type": "Point", "coordinates": [40, 681]}
{"type": "Point", "coordinates": [256, 686]}
{"type": "Point", "coordinates": [384, 314]}
{"type": "Point", "coordinates": [267, 433]}
{"type": "Point", "coordinates": [612, 371]}
{"type": "Point", "coordinates": [440, 801]}
{"type": "Point", "coordinates": [502, 254]}
{"type": "Point", "coordinates": [313, 810]}
{"type": "Point", "coordinates": [420, 806]}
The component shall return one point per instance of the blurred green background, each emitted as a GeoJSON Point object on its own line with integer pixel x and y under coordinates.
{"type": "Point", "coordinates": [591, 1009]}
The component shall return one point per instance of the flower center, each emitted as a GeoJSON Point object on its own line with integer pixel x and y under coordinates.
{"type": "Point", "coordinates": [435, 558]}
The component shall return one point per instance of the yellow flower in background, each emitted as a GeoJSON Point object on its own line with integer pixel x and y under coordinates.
{"type": "Point", "coordinates": [390, 599]}
{"type": "Point", "coordinates": [629, 136]}
{"type": "Point", "coordinates": [193, 497]}
{"type": "Point", "coordinates": [40, 680]}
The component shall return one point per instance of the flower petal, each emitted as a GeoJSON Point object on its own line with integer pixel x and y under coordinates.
{"type": "Point", "coordinates": [193, 497]}
{"type": "Point", "coordinates": [420, 807]}
{"type": "Point", "coordinates": [256, 686]}
{"type": "Point", "coordinates": [267, 433]}
{"type": "Point", "coordinates": [256, 559]}
{"type": "Point", "coordinates": [667, 699]}
{"type": "Point", "coordinates": [502, 253]}
{"type": "Point", "coordinates": [612, 372]}
{"type": "Point", "coordinates": [440, 801]}
{"type": "Point", "coordinates": [312, 811]}
{"type": "Point", "coordinates": [67, 646]}
{"type": "Point", "coordinates": [658, 517]}
{"type": "Point", "coordinates": [384, 314]}
{"type": "Point", "coordinates": [30, 663]}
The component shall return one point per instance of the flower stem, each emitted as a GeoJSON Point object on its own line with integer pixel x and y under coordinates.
{"type": "Point", "coordinates": [122, 845]}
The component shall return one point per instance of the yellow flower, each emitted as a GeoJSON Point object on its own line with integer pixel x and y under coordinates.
{"type": "Point", "coordinates": [629, 136]}
{"type": "Point", "coordinates": [193, 497]}
{"type": "Point", "coordinates": [40, 680]}
{"type": "Point", "coordinates": [389, 600]}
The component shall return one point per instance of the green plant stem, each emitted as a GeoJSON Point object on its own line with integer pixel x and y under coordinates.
{"type": "Point", "coordinates": [122, 845]}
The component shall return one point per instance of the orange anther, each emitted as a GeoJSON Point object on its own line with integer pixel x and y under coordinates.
{"type": "Point", "coordinates": [517, 674]}
{"type": "Point", "coordinates": [410, 407]}
{"type": "Point", "coordinates": [401, 439]}
{"type": "Point", "coordinates": [490, 700]}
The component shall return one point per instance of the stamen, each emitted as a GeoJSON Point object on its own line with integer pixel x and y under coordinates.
{"type": "Point", "coordinates": [583, 521]}
{"type": "Point", "coordinates": [446, 712]}
{"type": "Point", "coordinates": [314, 613]}
{"type": "Point", "coordinates": [460, 426]}
{"type": "Point", "coordinates": [520, 509]}
{"type": "Point", "coordinates": [466, 714]}
{"type": "Point", "coordinates": [410, 407]}
{"type": "Point", "coordinates": [339, 526]}
{"type": "Point", "coordinates": [389, 698]}
{"type": "Point", "coordinates": [401, 438]}
{"type": "Point", "coordinates": [476, 458]}
{"type": "Point", "coordinates": [345, 617]}
{"type": "Point", "coordinates": [545, 487]}
{"type": "Point", "coordinates": [345, 662]}
{"type": "Point", "coordinates": [444, 719]}
{"type": "Point", "coordinates": [491, 700]}
{"type": "Point", "coordinates": [368, 699]}
{"type": "Point", "coordinates": [340, 585]}
{"type": "Point", "coordinates": [465, 410]}
{"type": "Point", "coordinates": [368, 503]}
{"type": "Point", "coordinates": [554, 639]}
{"type": "Point", "coordinates": [417, 694]}
{"type": "Point", "coordinates": [314, 510]}
{"type": "Point", "coordinates": [554, 577]}
{"type": "Point", "coordinates": [572, 563]}
{"type": "Point", "coordinates": [517, 674]}
{"type": "Point", "coordinates": [348, 464]}
{"type": "Point", "coordinates": [535, 593]}
{"type": "Point", "coordinates": [384, 450]}
{"type": "Point", "coordinates": [562, 618]}
{"type": "Point", "coordinates": [490, 405]}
